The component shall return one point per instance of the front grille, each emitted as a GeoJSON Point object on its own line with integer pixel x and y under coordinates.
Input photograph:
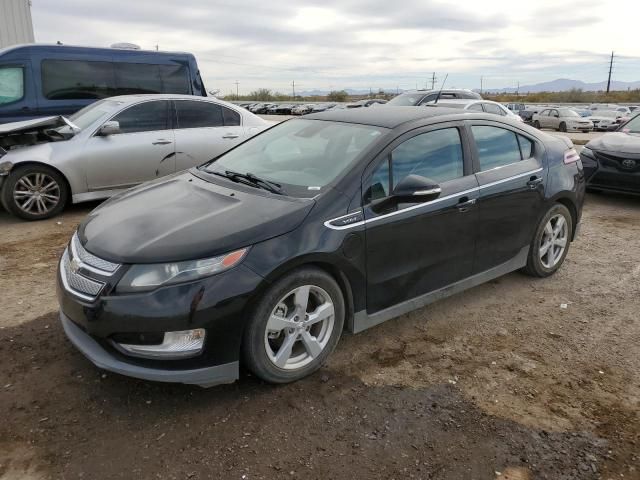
{"type": "Point", "coordinates": [77, 283]}
{"type": "Point", "coordinates": [619, 163]}
{"type": "Point", "coordinates": [90, 259]}
{"type": "Point", "coordinates": [83, 274]}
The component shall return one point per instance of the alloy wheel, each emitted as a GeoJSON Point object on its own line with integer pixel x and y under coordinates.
{"type": "Point", "coordinates": [299, 327]}
{"type": "Point", "coordinates": [554, 241]}
{"type": "Point", "coordinates": [36, 193]}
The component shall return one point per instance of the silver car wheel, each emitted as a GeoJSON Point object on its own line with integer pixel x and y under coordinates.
{"type": "Point", "coordinates": [36, 193]}
{"type": "Point", "coordinates": [299, 327]}
{"type": "Point", "coordinates": [554, 241]}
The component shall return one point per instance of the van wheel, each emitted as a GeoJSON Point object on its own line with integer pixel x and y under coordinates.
{"type": "Point", "coordinates": [550, 243]}
{"type": "Point", "coordinates": [294, 327]}
{"type": "Point", "coordinates": [34, 192]}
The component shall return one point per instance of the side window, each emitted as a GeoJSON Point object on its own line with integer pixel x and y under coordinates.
{"type": "Point", "coordinates": [11, 84]}
{"type": "Point", "coordinates": [476, 107]}
{"type": "Point", "coordinates": [231, 117]}
{"type": "Point", "coordinates": [497, 147]}
{"type": "Point", "coordinates": [175, 79]}
{"type": "Point", "coordinates": [137, 78]}
{"type": "Point", "coordinates": [544, 113]}
{"type": "Point", "coordinates": [429, 98]}
{"type": "Point", "coordinates": [195, 114]}
{"type": "Point", "coordinates": [144, 117]}
{"type": "Point", "coordinates": [553, 113]}
{"type": "Point", "coordinates": [380, 181]}
{"type": "Point", "coordinates": [491, 108]}
{"type": "Point", "coordinates": [73, 79]}
{"type": "Point", "coordinates": [526, 147]}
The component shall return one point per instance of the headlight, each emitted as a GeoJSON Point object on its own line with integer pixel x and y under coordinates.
{"type": "Point", "coordinates": [148, 277]}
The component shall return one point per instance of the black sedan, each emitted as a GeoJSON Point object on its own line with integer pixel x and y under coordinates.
{"type": "Point", "coordinates": [612, 161]}
{"type": "Point", "coordinates": [339, 220]}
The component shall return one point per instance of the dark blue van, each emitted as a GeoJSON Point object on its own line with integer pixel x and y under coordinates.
{"type": "Point", "coordinates": [42, 80]}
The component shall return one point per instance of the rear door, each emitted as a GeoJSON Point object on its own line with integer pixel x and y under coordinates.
{"type": "Point", "coordinates": [143, 150]}
{"type": "Point", "coordinates": [509, 167]}
{"type": "Point", "coordinates": [204, 130]}
{"type": "Point", "coordinates": [554, 119]}
{"type": "Point", "coordinates": [18, 99]}
{"type": "Point", "coordinates": [416, 248]}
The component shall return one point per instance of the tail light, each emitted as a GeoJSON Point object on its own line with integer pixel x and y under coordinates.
{"type": "Point", "coordinates": [571, 156]}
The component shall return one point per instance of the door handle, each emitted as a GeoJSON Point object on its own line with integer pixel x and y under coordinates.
{"type": "Point", "coordinates": [465, 203]}
{"type": "Point", "coordinates": [162, 142]}
{"type": "Point", "coordinates": [231, 135]}
{"type": "Point", "coordinates": [534, 182]}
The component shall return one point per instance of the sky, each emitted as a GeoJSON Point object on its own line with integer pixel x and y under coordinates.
{"type": "Point", "coordinates": [336, 44]}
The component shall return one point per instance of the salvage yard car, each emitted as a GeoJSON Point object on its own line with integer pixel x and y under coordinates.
{"type": "Point", "coordinates": [112, 145]}
{"type": "Point", "coordinates": [562, 119]}
{"type": "Point", "coordinates": [612, 161]}
{"type": "Point", "coordinates": [342, 219]}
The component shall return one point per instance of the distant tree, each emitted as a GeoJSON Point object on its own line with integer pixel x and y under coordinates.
{"type": "Point", "coordinates": [262, 94]}
{"type": "Point", "coordinates": [338, 96]}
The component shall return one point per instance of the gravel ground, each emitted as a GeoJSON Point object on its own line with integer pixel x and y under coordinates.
{"type": "Point", "coordinates": [515, 379]}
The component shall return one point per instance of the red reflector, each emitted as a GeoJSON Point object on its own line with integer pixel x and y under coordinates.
{"type": "Point", "coordinates": [233, 258]}
{"type": "Point", "coordinates": [571, 156]}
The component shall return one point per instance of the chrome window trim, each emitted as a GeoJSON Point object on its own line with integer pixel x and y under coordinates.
{"type": "Point", "coordinates": [421, 205]}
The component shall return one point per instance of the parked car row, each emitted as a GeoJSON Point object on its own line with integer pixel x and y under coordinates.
{"type": "Point", "coordinates": [303, 109]}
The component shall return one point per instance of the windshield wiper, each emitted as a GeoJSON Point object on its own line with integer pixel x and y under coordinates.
{"type": "Point", "coordinates": [251, 179]}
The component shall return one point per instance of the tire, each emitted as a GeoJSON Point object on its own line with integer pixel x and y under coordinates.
{"type": "Point", "coordinates": [539, 265]}
{"type": "Point", "coordinates": [563, 127]}
{"type": "Point", "coordinates": [272, 327]}
{"type": "Point", "coordinates": [536, 124]}
{"type": "Point", "coordinates": [46, 186]}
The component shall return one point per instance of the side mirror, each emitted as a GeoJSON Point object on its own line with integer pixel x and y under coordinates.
{"type": "Point", "coordinates": [414, 188]}
{"type": "Point", "coordinates": [109, 128]}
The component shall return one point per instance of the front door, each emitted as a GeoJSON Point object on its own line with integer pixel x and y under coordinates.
{"type": "Point", "coordinates": [416, 248]}
{"type": "Point", "coordinates": [17, 92]}
{"type": "Point", "coordinates": [511, 177]}
{"type": "Point", "coordinates": [143, 150]}
{"type": "Point", "coordinates": [204, 130]}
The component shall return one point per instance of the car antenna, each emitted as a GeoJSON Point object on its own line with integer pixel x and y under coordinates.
{"type": "Point", "coordinates": [440, 91]}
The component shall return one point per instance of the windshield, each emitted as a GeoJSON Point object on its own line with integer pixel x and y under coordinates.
{"type": "Point", "coordinates": [85, 117]}
{"type": "Point", "coordinates": [633, 125]}
{"type": "Point", "coordinates": [11, 84]}
{"type": "Point", "coordinates": [406, 100]}
{"type": "Point", "coordinates": [568, 113]}
{"type": "Point", "coordinates": [303, 156]}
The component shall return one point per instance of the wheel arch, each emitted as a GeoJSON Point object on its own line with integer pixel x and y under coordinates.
{"type": "Point", "coordinates": [573, 210]}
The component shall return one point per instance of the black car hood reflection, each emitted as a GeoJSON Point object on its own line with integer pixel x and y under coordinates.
{"type": "Point", "coordinates": [183, 217]}
{"type": "Point", "coordinates": [616, 142]}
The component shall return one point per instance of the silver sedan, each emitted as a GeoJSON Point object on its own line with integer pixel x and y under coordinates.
{"type": "Point", "coordinates": [112, 145]}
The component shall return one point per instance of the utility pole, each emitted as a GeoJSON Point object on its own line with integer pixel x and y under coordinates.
{"type": "Point", "coordinates": [433, 80]}
{"type": "Point", "coordinates": [293, 86]}
{"type": "Point", "coordinates": [518, 89]}
{"type": "Point", "coordinates": [481, 78]}
{"type": "Point", "coordinates": [610, 69]}
{"type": "Point", "coordinates": [236, 84]}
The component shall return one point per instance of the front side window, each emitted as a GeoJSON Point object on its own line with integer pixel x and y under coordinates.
{"type": "Point", "coordinates": [231, 117]}
{"type": "Point", "coordinates": [544, 113]}
{"type": "Point", "coordinates": [633, 125]}
{"type": "Point", "coordinates": [436, 155]}
{"type": "Point", "coordinates": [194, 114]}
{"type": "Point", "coordinates": [497, 146]}
{"type": "Point", "coordinates": [73, 79]}
{"type": "Point", "coordinates": [144, 117]}
{"type": "Point", "coordinates": [494, 109]}
{"type": "Point", "coordinates": [303, 156]}
{"type": "Point", "coordinates": [11, 84]}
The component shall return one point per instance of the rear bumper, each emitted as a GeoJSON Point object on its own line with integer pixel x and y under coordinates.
{"type": "Point", "coordinates": [203, 377]}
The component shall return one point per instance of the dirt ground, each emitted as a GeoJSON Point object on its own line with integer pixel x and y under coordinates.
{"type": "Point", "coordinates": [517, 379]}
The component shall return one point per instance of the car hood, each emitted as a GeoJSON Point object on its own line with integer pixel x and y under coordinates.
{"type": "Point", "coordinates": [184, 217]}
{"type": "Point", "coordinates": [616, 142]}
{"type": "Point", "coordinates": [33, 132]}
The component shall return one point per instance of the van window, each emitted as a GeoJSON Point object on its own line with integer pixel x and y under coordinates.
{"type": "Point", "coordinates": [175, 79]}
{"type": "Point", "coordinates": [11, 84]}
{"type": "Point", "coordinates": [71, 79]}
{"type": "Point", "coordinates": [137, 78]}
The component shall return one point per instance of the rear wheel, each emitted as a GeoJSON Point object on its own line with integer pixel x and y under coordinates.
{"type": "Point", "coordinates": [34, 192]}
{"type": "Point", "coordinates": [294, 327]}
{"type": "Point", "coordinates": [536, 124]}
{"type": "Point", "coordinates": [550, 243]}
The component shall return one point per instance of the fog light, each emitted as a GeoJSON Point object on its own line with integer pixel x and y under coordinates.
{"type": "Point", "coordinates": [175, 345]}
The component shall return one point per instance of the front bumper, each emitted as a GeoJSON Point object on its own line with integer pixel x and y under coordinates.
{"type": "Point", "coordinates": [203, 377]}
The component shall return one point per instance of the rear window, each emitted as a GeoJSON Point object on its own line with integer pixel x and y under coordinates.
{"type": "Point", "coordinates": [76, 79]}
{"type": "Point", "coordinates": [194, 114]}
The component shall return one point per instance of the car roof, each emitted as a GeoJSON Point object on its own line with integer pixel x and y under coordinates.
{"type": "Point", "coordinates": [387, 116]}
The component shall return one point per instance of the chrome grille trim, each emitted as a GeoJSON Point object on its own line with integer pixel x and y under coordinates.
{"type": "Point", "coordinates": [78, 284]}
{"type": "Point", "coordinates": [89, 261]}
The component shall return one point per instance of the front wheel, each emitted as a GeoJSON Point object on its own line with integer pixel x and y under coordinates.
{"type": "Point", "coordinates": [563, 127]}
{"type": "Point", "coordinates": [536, 124]}
{"type": "Point", "coordinates": [34, 192]}
{"type": "Point", "coordinates": [294, 327]}
{"type": "Point", "coordinates": [550, 243]}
